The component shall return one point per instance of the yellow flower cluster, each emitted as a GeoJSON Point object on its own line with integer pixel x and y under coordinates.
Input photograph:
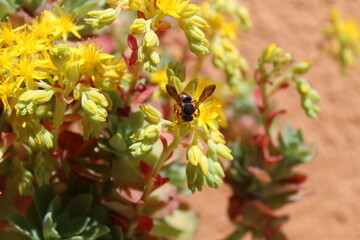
{"type": "Point", "coordinates": [36, 67]}
{"type": "Point", "coordinates": [154, 11]}
{"type": "Point", "coordinates": [224, 18]}
{"type": "Point", "coordinates": [342, 39]}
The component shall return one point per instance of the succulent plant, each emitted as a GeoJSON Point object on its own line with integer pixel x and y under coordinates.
{"type": "Point", "coordinates": [51, 217]}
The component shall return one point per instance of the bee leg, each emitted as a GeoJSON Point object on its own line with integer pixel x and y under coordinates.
{"type": "Point", "coordinates": [177, 111]}
{"type": "Point", "coordinates": [197, 114]}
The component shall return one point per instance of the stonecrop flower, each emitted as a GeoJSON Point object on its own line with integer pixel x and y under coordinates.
{"type": "Point", "coordinates": [154, 12]}
{"type": "Point", "coordinates": [342, 38]}
{"type": "Point", "coordinates": [37, 65]}
{"type": "Point", "coordinates": [172, 7]}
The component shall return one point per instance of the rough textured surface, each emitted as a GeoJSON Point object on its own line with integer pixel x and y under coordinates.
{"type": "Point", "coordinates": [332, 212]}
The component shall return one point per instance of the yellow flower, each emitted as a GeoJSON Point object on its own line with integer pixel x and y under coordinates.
{"type": "Point", "coordinates": [7, 89]}
{"type": "Point", "coordinates": [171, 7]}
{"type": "Point", "coordinates": [58, 26]}
{"type": "Point", "coordinates": [28, 69]}
{"type": "Point", "coordinates": [7, 33]}
{"type": "Point", "coordinates": [209, 115]}
{"type": "Point", "coordinates": [90, 59]}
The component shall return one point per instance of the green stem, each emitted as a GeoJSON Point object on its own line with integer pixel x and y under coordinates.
{"type": "Point", "coordinates": [150, 184]}
{"type": "Point", "coordinates": [60, 107]}
{"type": "Point", "coordinates": [197, 66]}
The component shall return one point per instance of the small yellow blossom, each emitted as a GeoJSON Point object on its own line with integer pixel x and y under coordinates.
{"type": "Point", "coordinates": [171, 7]}
{"type": "Point", "coordinates": [90, 59]}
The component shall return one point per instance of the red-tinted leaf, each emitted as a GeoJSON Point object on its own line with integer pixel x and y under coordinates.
{"type": "Point", "coordinates": [164, 142]}
{"type": "Point", "coordinates": [55, 153]}
{"type": "Point", "coordinates": [140, 88]}
{"type": "Point", "coordinates": [258, 98]}
{"type": "Point", "coordinates": [141, 14]}
{"type": "Point", "coordinates": [274, 159]}
{"type": "Point", "coordinates": [261, 175]}
{"type": "Point", "coordinates": [235, 207]}
{"type": "Point", "coordinates": [7, 139]}
{"type": "Point", "coordinates": [133, 58]}
{"type": "Point", "coordinates": [263, 208]}
{"type": "Point", "coordinates": [87, 172]}
{"type": "Point", "coordinates": [130, 194]}
{"type": "Point", "coordinates": [141, 97]}
{"type": "Point", "coordinates": [163, 26]}
{"type": "Point", "coordinates": [145, 170]}
{"type": "Point", "coordinates": [48, 125]}
{"type": "Point", "coordinates": [281, 86]}
{"type": "Point", "coordinates": [274, 114]}
{"type": "Point", "coordinates": [124, 110]}
{"type": "Point", "coordinates": [72, 117]}
{"type": "Point", "coordinates": [298, 178]}
{"type": "Point", "coordinates": [144, 223]}
{"type": "Point", "coordinates": [56, 85]}
{"type": "Point", "coordinates": [119, 220]}
{"type": "Point", "coordinates": [132, 42]}
{"type": "Point", "coordinates": [127, 60]}
{"type": "Point", "coordinates": [159, 181]}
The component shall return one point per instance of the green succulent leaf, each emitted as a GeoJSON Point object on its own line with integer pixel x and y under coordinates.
{"type": "Point", "coordinates": [49, 228]}
{"type": "Point", "coordinates": [21, 224]}
{"type": "Point", "coordinates": [79, 205]}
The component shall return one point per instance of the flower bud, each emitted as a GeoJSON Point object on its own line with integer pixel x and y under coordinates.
{"type": "Point", "coordinates": [151, 39]}
{"type": "Point", "coordinates": [101, 18]}
{"type": "Point", "coordinates": [191, 173]}
{"type": "Point", "coordinates": [194, 154]}
{"type": "Point", "coordinates": [188, 11]}
{"type": "Point", "coordinates": [152, 115]}
{"type": "Point", "coordinates": [204, 166]}
{"type": "Point", "coordinates": [302, 67]}
{"type": "Point", "coordinates": [59, 55]}
{"type": "Point", "coordinates": [139, 26]}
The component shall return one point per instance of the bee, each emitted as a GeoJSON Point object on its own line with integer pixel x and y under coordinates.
{"type": "Point", "coordinates": [186, 104]}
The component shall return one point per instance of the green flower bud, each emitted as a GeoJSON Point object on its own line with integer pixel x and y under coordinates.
{"type": "Point", "coordinates": [188, 11]}
{"type": "Point", "coordinates": [149, 58]}
{"type": "Point", "coordinates": [101, 18]}
{"type": "Point", "coordinates": [145, 139]}
{"type": "Point", "coordinates": [218, 169]}
{"type": "Point", "coordinates": [196, 33]}
{"type": "Point", "coordinates": [197, 21]}
{"type": "Point", "coordinates": [271, 53]}
{"type": "Point", "coordinates": [151, 39]}
{"type": "Point", "coordinates": [152, 115]}
{"type": "Point", "coordinates": [194, 154]}
{"type": "Point", "coordinates": [59, 55]}
{"type": "Point", "coordinates": [301, 68]}
{"type": "Point", "coordinates": [204, 166]}
{"type": "Point", "coordinates": [191, 173]}
{"type": "Point", "coordinates": [224, 151]}
{"type": "Point", "coordinates": [139, 26]}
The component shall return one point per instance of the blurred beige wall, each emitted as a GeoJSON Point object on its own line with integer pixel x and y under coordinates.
{"type": "Point", "coordinates": [332, 211]}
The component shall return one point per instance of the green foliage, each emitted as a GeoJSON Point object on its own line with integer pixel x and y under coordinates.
{"type": "Point", "coordinates": [79, 7]}
{"type": "Point", "coordinates": [50, 217]}
{"type": "Point", "coordinates": [8, 7]}
{"type": "Point", "coordinates": [180, 224]}
{"type": "Point", "coordinates": [293, 148]}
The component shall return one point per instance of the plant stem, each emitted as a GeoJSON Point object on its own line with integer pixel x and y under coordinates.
{"type": "Point", "coordinates": [60, 107]}
{"type": "Point", "coordinates": [197, 67]}
{"type": "Point", "coordinates": [150, 184]}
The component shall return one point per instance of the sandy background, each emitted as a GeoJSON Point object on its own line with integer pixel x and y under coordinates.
{"type": "Point", "coordinates": [332, 212]}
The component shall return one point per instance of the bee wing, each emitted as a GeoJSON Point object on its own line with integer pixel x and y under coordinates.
{"type": "Point", "coordinates": [173, 93]}
{"type": "Point", "coordinates": [208, 90]}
